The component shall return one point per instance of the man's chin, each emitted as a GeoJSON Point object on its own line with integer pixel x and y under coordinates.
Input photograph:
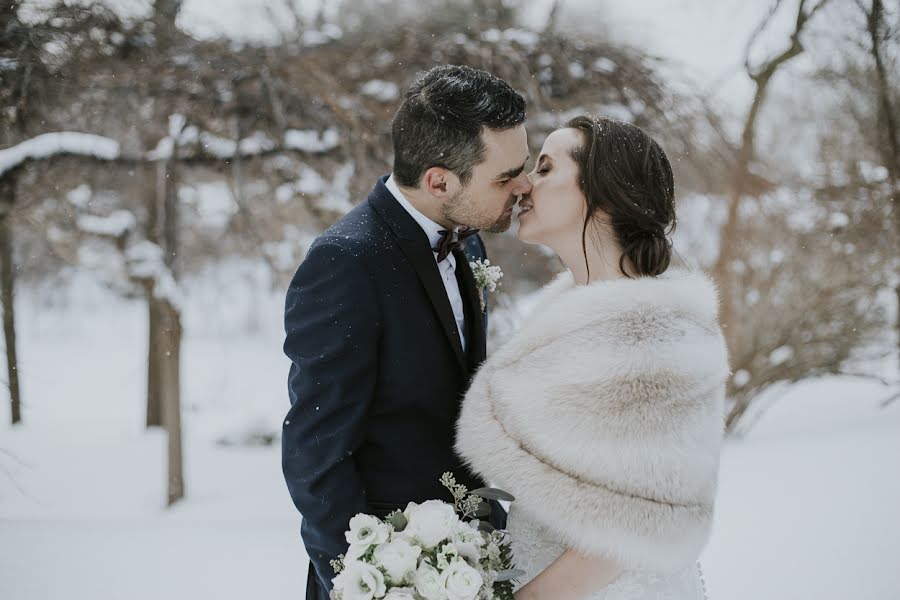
{"type": "Point", "coordinates": [500, 225]}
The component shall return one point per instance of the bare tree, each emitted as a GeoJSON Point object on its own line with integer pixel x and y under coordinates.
{"type": "Point", "coordinates": [887, 118]}
{"type": "Point", "coordinates": [733, 239]}
{"type": "Point", "coordinates": [7, 295]}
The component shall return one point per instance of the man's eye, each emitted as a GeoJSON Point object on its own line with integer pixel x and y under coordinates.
{"type": "Point", "coordinates": [504, 181]}
{"type": "Point", "coordinates": [544, 171]}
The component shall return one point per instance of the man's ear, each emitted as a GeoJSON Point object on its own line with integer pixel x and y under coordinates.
{"type": "Point", "coordinates": [438, 182]}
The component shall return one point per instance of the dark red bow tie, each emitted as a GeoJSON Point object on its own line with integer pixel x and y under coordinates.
{"type": "Point", "coordinates": [451, 240]}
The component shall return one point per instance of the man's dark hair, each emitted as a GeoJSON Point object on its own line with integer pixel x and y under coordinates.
{"type": "Point", "coordinates": [440, 121]}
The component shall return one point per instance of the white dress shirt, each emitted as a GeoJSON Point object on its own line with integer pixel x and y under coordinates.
{"type": "Point", "coordinates": [447, 267]}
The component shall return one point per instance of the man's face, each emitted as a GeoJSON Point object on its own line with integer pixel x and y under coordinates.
{"type": "Point", "coordinates": [487, 202]}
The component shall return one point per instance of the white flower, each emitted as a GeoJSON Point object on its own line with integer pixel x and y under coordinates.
{"type": "Point", "coordinates": [469, 552]}
{"type": "Point", "coordinates": [461, 582]}
{"type": "Point", "coordinates": [446, 555]}
{"type": "Point", "coordinates": [468, 532]}
{"type": "Point", "coordinates": [398, 557]}
{"type": "Point", "coordinates": [365, 530]}
{"type": "Point", "coordinates": [493, 552]}
{"type": "Point", "coordinates": [356, 551]}
{"type": "Point", "coordinates": [401, 593]}
{"type": "Point", "coordinates": [486, 275]}
{"type": "Point", "coordinates": [431, 522]}
{"type": "Point", "coordinates": [428, 583]}
{"type": "Point", "coordinates": [360, 581]}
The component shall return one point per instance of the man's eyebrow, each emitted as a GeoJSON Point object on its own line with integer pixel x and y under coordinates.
{"type": "Point", "coordinates": [514, 172]}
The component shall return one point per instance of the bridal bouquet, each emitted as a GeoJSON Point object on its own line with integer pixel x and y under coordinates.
{"type": "Point", "coordinates": [428, 552]}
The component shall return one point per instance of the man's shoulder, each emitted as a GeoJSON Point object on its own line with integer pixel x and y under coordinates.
{"type": "Point", "coordinates": [360, 233]}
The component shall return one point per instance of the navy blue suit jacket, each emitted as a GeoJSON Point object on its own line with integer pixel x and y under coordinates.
{"type": "Point", "coordinates": [377, 374]}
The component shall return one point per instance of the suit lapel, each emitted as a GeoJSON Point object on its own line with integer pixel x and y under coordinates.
{"type": "Point", "coordinates": [414, 244]}
{"type": "Point", "coordinates": [468, 289]}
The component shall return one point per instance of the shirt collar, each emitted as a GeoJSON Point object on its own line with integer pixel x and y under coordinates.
{"type": "Point", "coordinates": [432, 230]}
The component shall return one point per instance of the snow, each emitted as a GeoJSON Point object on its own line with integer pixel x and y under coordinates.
{"type": "Point", "coordinates": [781, 355]}
{"type": "Point", "coordinates": [163, 151]}
{"type": "Point", "coordinates": [383, 91]}
{"type": "Point", "coordinates": [576, 70]}
{"type": "Point", "coordinates": [871, 172]}
{"type": "Point", "coordinates": [60, 142]}
{"type": "Point", "coordinates": [522, 37]}
{"type": "Point", "coordinates": [311, 141]}
{"type": "Point", "coordinates": [741, 378]}
{"type": "Point", "coordinates": [80, 196]}
{"type": "Point", "coordinates": [604, 65]}
{"type": "Point", "coordinates": [145, 261]}
{"type": "Point", "coordinates": [213, 202]}
{"type": "Point", "coordinates": [116, 224]}
{"type": "Point", "coordinates": [337, 196]}
{"type": "Point", "coordinates": [806, 506]}
{"type": "Point", "coordinates": [838, 220]}
{"type": "Point", "coordinates": [333, 195]}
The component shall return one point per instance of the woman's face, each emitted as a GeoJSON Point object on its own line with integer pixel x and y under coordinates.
{"type": "Point", "coordinates": [556, 207]}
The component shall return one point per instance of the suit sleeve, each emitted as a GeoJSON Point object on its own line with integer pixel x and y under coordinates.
{"type": "Point", "coordinates": [332, 337]}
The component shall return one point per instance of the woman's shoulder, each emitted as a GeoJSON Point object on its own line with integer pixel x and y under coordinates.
{"type": "Point", "coordinates": [621, 312]}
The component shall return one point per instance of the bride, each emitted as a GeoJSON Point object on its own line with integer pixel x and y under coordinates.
{"type": "Point", "coordinates": [603, 415]}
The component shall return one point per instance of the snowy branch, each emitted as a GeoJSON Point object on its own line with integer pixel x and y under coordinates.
{"type": "Point", "coordinates": [212, 149]}
{"type": "Point", "coordinates": [63, 142]}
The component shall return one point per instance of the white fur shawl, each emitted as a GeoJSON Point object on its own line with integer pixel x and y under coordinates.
{"type": "Point", "coordinates": [603, 416]}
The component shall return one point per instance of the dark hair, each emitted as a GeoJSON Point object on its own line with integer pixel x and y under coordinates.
{"type": "Point", "coordinates": [625, 173]}
{"type": "Point", "coordinates": [440, 121]}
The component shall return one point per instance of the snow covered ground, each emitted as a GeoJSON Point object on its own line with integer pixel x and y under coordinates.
{"type": "Point", "coordinates": [807, 507]}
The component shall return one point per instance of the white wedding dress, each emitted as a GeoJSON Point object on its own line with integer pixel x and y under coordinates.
{"type": "Point", "coordinates": [534, 549]}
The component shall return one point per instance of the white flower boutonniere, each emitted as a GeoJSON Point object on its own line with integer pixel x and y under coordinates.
{"type": "Point", "coordinates": [487, 277]}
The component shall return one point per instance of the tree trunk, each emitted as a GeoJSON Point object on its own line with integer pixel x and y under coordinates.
{"type": "Point", "coordinates": [167, 336]}
{"type": "Point", "coordinates": [170, 376]}
{"type": "Point", "coordinates": [154, 379]}
{"type": "Point", "coordinates": [7, 298]}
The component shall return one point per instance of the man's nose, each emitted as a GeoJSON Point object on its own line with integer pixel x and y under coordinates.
{"type": "Point", "coordinates": [523, 185]}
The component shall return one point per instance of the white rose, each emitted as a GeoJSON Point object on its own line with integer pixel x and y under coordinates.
{"type": "Point", "coordinates": [468, 551]}
{"type": "Point", "coordinates": [360, 581]}
{"type": "Point", "coordinates": [356, 551]}
{"type": "Point", "coordinates": [428, 583]}
{"type": "Point", "coordinates": [401, 593]}
{"type": "Point", "coordinates": [461, 582]}
{"type": "Point", "coordinates": [446, 555]}
{"type": "Point", "coordinates": [431, 522]}
{"type": "Point", "coordinates": [366, 530]}
{"type": "Point", "coordinates": [398, 557]}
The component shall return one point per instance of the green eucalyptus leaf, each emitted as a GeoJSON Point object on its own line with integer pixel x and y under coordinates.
{"type": "Point", "coordinates": [483, 510]}
{"type": "Point", "coordinates": [398, 520]}
{"type": "Point", "coordinates": [509, 574]}
{"type": "Point", "coordinates": [493, 494]}
{"type": "Point", "coordinates": [486, 527]}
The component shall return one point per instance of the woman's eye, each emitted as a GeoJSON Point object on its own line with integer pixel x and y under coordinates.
{"type": "Point", "coordinates": [543, 171]}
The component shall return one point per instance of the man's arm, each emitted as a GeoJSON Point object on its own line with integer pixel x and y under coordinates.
{"type": "Point", "coordinates": [332, 336]}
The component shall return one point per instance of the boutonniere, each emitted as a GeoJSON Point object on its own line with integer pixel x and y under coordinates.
{"type": "Point", "coordinates": [487, 277]}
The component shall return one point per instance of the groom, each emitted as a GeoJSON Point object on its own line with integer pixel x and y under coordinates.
{"type": "Point", "coordinates": [383, 318]}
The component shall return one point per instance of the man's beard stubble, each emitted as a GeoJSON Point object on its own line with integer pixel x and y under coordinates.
{"type": "Point", "coordinates": [461, 210]}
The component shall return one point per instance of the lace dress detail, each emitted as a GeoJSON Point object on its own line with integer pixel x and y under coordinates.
{"type": "Point", "coordinates": [534, 549]}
